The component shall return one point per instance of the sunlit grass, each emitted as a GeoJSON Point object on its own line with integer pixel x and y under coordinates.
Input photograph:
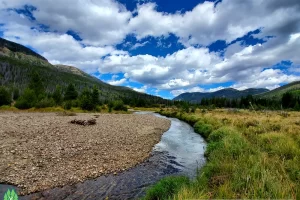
{"type": "Point", "coordinates": [249, 155]}
{"type": "Point", "coordinates": [60, 109]}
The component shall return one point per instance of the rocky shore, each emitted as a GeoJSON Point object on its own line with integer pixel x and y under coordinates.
{"type": "Point", "coordinates": [39, 151]}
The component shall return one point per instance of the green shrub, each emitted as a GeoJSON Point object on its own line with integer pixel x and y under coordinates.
{"type": "Point", "coordinates": [166, 187]}
{"type": "Point", "coordinates": [86, 102]}
{"type": "Point", "coordinates": [27, 100]}
{"type": "Point", "coordinates": [5, 97]}
{"type": "Point", "coordinates": [44, 103]}
{"type": "Point", "coordinates": [119, 105]}
{"type": "Point", "coordinates": [67, 105]}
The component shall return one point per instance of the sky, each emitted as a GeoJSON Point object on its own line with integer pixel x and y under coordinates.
{"type": "Point", "coordinates": [164, 47]}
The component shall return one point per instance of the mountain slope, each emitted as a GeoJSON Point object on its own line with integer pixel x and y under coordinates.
{"type": "Point", "coordinates": [278, 92]}
{"type": "Point", "coordinates": [17, 48]}
{"type": "Point", "coordinates": [17, 64]}
{"type": "Point", "coordinates": [226, 93]}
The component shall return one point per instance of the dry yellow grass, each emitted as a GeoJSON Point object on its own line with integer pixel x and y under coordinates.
{"type": "Point", "coordinates": [250, 154]}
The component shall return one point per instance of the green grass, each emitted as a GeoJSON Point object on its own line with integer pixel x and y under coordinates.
{"type": "Point", "coordinates": [249, 155]}
{"type": "Point", "coordinates": [166, 187]}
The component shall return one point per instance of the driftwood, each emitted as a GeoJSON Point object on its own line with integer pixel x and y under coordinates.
{"type": "Point", "coordinates": [84, 122]}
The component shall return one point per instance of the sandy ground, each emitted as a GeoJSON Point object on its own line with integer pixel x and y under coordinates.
{"type": "Point", "coordinates": [39, 151]}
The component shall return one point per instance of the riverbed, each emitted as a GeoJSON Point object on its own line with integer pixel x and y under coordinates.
{"type": "Point", "coordinates": [179, 152]}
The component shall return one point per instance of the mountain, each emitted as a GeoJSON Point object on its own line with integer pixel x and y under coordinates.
{"type": "Point", "coordinates": [226, 93]}
{"type": "Point", "coordinates": [278, 92]}
{"type": "Point", "coordinates": [17, 64]}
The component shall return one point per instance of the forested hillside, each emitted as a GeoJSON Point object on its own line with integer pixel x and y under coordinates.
{"type": "Point", "coordinates": [228, 93]}
{"type": "Point", "coordinates": [19, 64]}
{"type": "Point", "coordinates": [279, 92]}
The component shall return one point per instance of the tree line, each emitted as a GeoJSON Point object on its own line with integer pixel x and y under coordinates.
{"type": "Point", "coordinates": [35, 95]}
{"type": "Point", "coordinates": [287, 101]}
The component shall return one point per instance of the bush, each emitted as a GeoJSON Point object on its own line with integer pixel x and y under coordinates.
{"type": "Point", "coordinates": [44, 103]}
{"type": "Point", "coordinates": [166, 187]}
{"type": "Point", "coordinates": [86, 103]}
{"type": "Point", "coordinates": [67, 105]}
{"type": "Point", "coordinates": [5, 98]}
{"type": "Point", "coordinates": [27, 100]}
{"type": "Point", "coordinates": [119, 105]}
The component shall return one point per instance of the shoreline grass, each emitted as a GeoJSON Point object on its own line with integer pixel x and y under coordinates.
{"type": "Point", "coordinates": [249, 155]}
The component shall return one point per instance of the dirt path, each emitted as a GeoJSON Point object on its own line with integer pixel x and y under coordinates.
{"type": "Point", "coordinates": [39, 151]}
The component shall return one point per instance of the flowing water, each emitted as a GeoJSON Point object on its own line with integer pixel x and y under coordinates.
{"type": "Point", "coordinates": [180, 152]}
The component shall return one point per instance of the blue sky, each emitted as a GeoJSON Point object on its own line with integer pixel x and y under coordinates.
{"type": "Point", "coordinates": [164, 47]}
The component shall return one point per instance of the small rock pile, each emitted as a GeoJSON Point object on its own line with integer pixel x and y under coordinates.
{"type": "Point", "coordinates": [84, 122]}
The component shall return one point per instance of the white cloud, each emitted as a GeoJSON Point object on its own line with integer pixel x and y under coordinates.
{"type": "Point", "coordinates": [192, 66]}
{"type": "Point", "coordinates": [58, 48]}
{"type": "Point", "coordinates": [117, 82]}
{"type": "Point", "coordinates": [97, 22]}
{"type": "Point", "coordinates": [137, 45]}
{"type": "Point", "coordinates": [103, 24]}
{"type": "Point", "coordinates": [194, 89]}
{"type": "Point", "coordinates": [169, 72]}
{"type": "Point", "coordinates": [142, 89]}
{"type": "Point", "coordinates": [228, 20]}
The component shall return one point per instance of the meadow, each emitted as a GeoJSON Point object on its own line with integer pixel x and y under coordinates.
{"type": "Point", "coordinates": [250, 154]}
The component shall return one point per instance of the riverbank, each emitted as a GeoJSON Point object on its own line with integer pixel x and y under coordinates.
{"type": "Point", "coordinates": [249, 155]}
{"type": "Point", "coordinates": [43, 150]}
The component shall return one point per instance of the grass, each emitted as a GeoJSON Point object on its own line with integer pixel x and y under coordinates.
{"type": "Point", "coordinates": [166, 187]}
{"type": "Point", "coordinates": [249, 155]}
{"type": "Point", "coordinates": [59, 109]}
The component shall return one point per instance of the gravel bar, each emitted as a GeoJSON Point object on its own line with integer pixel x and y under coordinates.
{"type": "Point", "coordinates": [39, 151]}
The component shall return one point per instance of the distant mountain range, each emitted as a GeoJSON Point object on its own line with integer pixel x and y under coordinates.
{"type": "Point", "coordinates": [18, 62]}
{"type": "Point", "coordinates": [229, 93]}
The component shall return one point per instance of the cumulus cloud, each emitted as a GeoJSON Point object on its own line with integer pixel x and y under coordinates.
{"type": "Point", "coordinates": [97, 22]}
{"type": "Point", "coordinates": [195, 89]}
{"type": "Point", "coordinates": [103, 24]}
{"type": "Point", "coordinates": [58, 48]}
{"type": "Point", "coordinates": [228, 20]}
{"type": "Point", "coordinates": [192, 66]}
{"type": "Point", "coordinates": [141, 90]}
{"type": "Point", "coordinates": [169, 72]}
{"type": "Point", "coordinates": [117, 82]}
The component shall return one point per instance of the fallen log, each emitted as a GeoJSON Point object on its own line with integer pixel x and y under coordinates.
{"type": "Point", "coordinates": [84, 122]}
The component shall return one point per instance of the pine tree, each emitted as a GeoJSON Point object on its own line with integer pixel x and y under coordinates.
{"type": "Point", "coordinates": [57, 95]}
{"type": "Point", "coordinates": [95, 96]}
{"type": "Point", "coordinates": [71, 93]}
{"type": "Point", "coordinates": [36, 84]}
{"type": "Point", "coordinates": [86, 100]}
